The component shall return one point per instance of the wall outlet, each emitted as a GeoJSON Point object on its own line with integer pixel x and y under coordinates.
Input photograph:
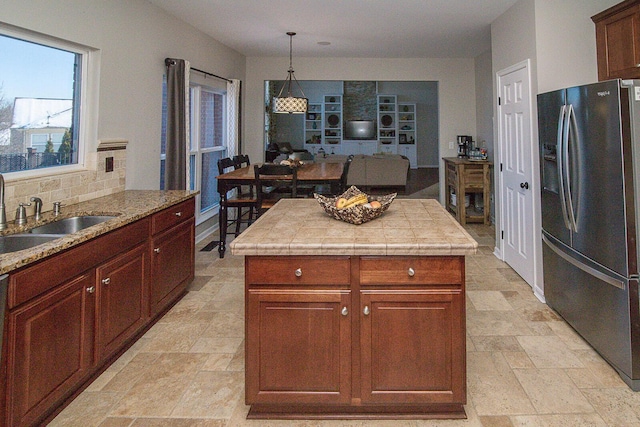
{"type": "Point", "coordinates": [108, 164]}
{"type": "Point", "coordinates": [451, 145]}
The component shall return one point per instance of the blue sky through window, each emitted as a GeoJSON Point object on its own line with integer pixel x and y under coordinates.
{"type": "Point", "coordinates": [30, 70]}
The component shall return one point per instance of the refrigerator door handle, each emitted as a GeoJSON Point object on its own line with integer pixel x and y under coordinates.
{"type": "Point", "coordinates": [589, 270]}
{"type": "Point", "coordinates": [560, 158]}
{"type": "Point", "coordinates": [570, 122]}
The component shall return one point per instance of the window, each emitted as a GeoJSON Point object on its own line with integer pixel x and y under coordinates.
{"type": "Point", "coordinates": [207, 145]}
{"type": "Point", "coordinates": [208, 135]}
{"type": "Point", "coordinates": [41, 88]}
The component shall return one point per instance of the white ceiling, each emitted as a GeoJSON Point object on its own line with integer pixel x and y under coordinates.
{"type": "Point", "coordinates": [354, 28]}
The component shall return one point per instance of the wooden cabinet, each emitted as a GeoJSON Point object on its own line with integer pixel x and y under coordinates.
{"type": "Point", "coordinates": [173, 257]}
{"type": "Point", "coordinates": [618, 41]}
{"type": "Point", "coordinates": [122, 299]}
{"type": "Point", "coordinates": [51, 348]}
{"type": "Point", "coordinates": [468, 189]}
{"type": "Point", "coordinates": [410, 345]}
{"type": "Point", "coordinates": [71, 314]}
{"type": "Point", "coordinates": [300, 352]}
{"type": "Point", "coordinates": [355, 337]}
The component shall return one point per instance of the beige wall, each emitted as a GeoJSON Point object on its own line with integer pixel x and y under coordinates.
{"type": "Point", "coordinates": [566, 42]}
{"type": "Point", "coordinates": [558, 38]}
{"type": "Point", "coordinates": [456, 82]}
{"type": "Point", "coordinates": [133, 38]}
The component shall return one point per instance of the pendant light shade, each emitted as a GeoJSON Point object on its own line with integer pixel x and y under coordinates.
{"type": "Point", "coordinates": [289, 103]}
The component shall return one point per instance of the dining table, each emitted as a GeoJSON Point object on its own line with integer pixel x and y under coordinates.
{"type": "Point", "coordinates": [307, 174]}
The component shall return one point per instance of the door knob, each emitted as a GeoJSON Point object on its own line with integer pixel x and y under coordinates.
{"type": "Point", "coordinates": [524, 185]}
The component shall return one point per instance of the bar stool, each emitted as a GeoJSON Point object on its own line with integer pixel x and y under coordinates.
{"type": "Point", "coordinates": [238, 199]}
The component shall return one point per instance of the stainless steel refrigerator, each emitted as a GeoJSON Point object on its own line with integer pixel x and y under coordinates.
{"type": "Point", "coordinates": [590, 194]}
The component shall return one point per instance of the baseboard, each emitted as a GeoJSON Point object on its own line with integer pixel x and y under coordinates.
{"type": "Point", "coordinates": [206, 233]}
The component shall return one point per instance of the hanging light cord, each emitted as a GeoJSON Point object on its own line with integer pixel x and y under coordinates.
{"type": "Point", "coordinates": [290, 74]}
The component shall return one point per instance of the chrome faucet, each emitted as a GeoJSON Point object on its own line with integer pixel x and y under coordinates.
{"type": "Point", "coordinates": [37, 207]}
{"type": "Point", "coordinates": [3, 213]}
{"type": "Point", "coordinates": [56, 208]}
{"type": "Point", "coordinates": [21, 214]}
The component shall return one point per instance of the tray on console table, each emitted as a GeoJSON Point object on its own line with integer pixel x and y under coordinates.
{"type": "Point", "coordinates": [334, 311]}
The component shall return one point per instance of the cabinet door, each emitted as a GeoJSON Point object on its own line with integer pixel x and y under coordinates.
{"type": "Point", "coordinates": [618, 45]}
{"type": "Point", "coordinates": [51, 348]}
{"type": "Point", "coordinates": [412, 346]}
{"type": "Point", "coordinates": [172, 264]}
{"type": "Point", "coordinates": [298, 346]}
{"type": "Point", "coordinates": [122, 299]}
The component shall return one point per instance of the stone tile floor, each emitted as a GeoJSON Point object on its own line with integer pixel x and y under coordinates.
{"type": "Point", "coordinates": [525, 366]}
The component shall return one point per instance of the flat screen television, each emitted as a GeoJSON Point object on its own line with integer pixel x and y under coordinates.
{"type": "Point", "coordinates": [360, 129]}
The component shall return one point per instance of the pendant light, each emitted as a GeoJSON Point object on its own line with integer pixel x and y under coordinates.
{"type": "Point", "coordinates": [289, 103]}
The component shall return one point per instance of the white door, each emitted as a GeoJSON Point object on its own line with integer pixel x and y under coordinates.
{"type": "Point", "coordinates": [516, 166]}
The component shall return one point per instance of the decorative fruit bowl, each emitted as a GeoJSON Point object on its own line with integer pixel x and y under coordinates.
{"type": "Point", "coordinates": [356, 207]}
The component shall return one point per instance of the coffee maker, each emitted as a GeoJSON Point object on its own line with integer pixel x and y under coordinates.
{"type": "Point", "coordinates": [464, 144]}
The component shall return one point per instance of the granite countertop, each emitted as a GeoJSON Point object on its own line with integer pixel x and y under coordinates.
{"type": "Point", "coordinates": [128, 206]}
{"type": "Point", "coordinates": [408, 227]}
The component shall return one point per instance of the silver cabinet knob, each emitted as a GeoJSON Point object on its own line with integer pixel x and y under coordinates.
{"type": "Point", "coordinates": [344, 311]}
{"type": "Point", "coordinates": [91, 289]}
{"type": "Point", "coordinates": [298, 272]}
{"type": "Point", "coordinates": [411, 272]}
{"type": "Point", "coordinates": [106, 281]}
{"type": "Point", "coordinates": [178, 213]}
{"type": "Point", "coordinates": [366, 310]}
{"type": "Point", "coordinates": [156, 250]}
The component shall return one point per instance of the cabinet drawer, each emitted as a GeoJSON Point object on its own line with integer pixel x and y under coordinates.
{"type": "Point", "coordinates": [436, 270]}
{"type": "Point", "coordinates": [50, 272]}
{"type": "Point", "coordinates": [294, 270]}
{"type": "Point", "coordinates": [172, 216]}
{"type": "Point", "coordinates": [474, 178]}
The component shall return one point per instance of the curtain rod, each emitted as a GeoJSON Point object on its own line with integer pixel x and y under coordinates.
{"type": "Point", "coordinates": [209, 74]}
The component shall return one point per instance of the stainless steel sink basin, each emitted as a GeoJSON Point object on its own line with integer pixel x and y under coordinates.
{"type": "Point", "coordinates": [70, 225]}
{"type": "Point", "coordinates": [18, 242]}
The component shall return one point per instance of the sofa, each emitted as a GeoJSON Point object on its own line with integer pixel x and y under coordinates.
{"type": "Point", "coordinates": [378, 170]}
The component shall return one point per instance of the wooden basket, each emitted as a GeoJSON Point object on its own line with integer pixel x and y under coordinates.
{"type": "Point", "coordinates": [355, 214]}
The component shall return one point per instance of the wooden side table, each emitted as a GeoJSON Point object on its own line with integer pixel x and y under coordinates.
{"type": "Point", "coordinates": [464, 177]}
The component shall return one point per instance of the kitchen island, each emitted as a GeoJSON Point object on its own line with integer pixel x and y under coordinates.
{"type": "Point", "coordinates": [346, 321]}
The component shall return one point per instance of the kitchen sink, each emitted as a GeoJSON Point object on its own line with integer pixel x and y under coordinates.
{"type": "Point", "coordinates": [70, 225]}
{"type": "Point", "coordinates": [18, 242]}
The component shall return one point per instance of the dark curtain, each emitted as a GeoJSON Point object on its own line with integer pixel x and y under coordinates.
{"type": "Point", "coordinates": [175, 177]}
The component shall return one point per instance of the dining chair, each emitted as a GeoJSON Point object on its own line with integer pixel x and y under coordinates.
{"type": "Point", "coordinates": [274, 182]}
{"type": "Point", "coordinates": [241, 161]}
{"type": "Point", "coordinates": [327, 190]}
{"type": "Point", "coordinates": [345, 173]}
{"type": "Point", "coordinates": [244, 201]}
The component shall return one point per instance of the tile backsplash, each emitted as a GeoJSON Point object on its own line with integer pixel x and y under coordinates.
{"type": "Point", "coordinates": [69, 188]}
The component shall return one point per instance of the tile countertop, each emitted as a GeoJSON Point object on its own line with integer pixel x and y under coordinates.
{"type": "Point", "coordinates": [129, 206]}
{"type": "Point", "coordinates": [408, 227]}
